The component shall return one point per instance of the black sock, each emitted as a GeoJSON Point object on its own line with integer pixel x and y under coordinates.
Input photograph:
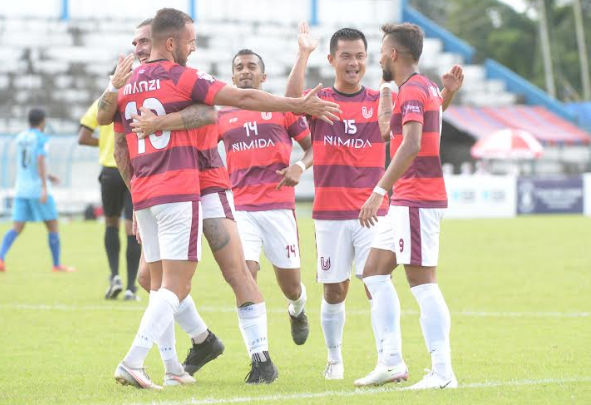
{"type": "Point", "coordinates": [113, 247]}
{"type": "Point", "coordinates": [133, 253]}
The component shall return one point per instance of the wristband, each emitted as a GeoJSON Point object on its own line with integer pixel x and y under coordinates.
{"type": "Point", "coordinates": [379, 191]}
{"type": "Point", "coordinates": [387, 85]}
{"type": "Point", "coordinates": [301, 165]}
{"type": "Point", "coordinates": [112, 88]}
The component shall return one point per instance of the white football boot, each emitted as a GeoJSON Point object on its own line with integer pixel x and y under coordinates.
{"type": "Point", "coordinates": [383, 374]}
{"type": "Point", "coordinates": [334, 371]}
{"type": "Point", "coordinates": [135, 377]}
{"type": "Point", "coordinates": [434, 381]}
{"type": "Point", "coordinates": [171, 380]}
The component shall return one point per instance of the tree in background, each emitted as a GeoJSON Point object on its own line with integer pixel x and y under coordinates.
{"type": "Point", "coordinates": [499, 32]}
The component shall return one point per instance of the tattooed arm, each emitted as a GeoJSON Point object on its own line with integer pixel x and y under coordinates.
{"type": "Point", "coordinates": [194, 116]}
{"type": "Point", "coordinates": [385, 112]}
{"type": "Point", "coordinates": [122, 158]}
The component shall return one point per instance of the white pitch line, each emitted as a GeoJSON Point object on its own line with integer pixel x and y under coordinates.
{"type": "Point", "coordinates": [358, 392]}
{"type": "Point", "coordinates": [211, 309]}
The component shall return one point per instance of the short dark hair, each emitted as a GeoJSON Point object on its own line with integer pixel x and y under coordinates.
{"type": "Point", "coordinates": [147, 21]}
{"type": "Point", "coordinates": [248, 52]}
{"type": "Point", "coordinates": [346, 34]}
{"type": "Point", "coordinates": [407, 35]}
{"type": "Point", "coordinates": [169, 22]}
{"type": "Point", "coordinates": [36, 116]}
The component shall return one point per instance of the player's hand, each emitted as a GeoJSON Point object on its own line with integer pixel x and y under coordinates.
{"type": "Point", "coordinates": [327, 111]}
{"type": "Point", "coordinates": [145, 124]}
{"type": "Point", "coordinates": [368, 216]}
{"type": "Point", "coordinates": [123, 71]}
{"type": "Point", "coordinates": [134, 230]}
{"type": "Point", "coordinates": [44, 196]}
{"type": "Point", "coordinates": [306, 42]}
{"type": "Point", "coordinates": [54, 179]}
{"type": "Point", "coordinates": [291, 176]}
{"type": "Point", "coordinates": [453, 79]}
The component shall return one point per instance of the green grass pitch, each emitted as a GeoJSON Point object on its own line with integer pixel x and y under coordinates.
{"type": "Point", "coordinates": [519, 292]}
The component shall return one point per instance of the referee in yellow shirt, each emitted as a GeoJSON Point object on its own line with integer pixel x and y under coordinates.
{"type": "Point", "coordinates": [116, 198]}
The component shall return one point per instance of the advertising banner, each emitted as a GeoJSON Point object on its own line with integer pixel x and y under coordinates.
{"type": "Point", "coordinates": [550, 196]}
{"type": "Point", "coordinates": [481, 196]}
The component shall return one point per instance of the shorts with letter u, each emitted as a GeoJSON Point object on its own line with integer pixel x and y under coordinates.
{"type": "Point", "coordinates": [31, 210]}
{"type": "Point", "coordinates": [340, 243]}
{"type": "Point", "coordinates": [275, 231]}
{"type": "Point", "coordinates": [171, 231]}
{"type": "Point", "coordinates": [412, 233]}
{"type": "Point", "coordinates": [219, 204]}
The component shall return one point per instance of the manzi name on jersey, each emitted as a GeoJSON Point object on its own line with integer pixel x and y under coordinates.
{"type": "Point", "coordinates": [141, 86]}
{"type": "Point", "coordinates": [254, 144]}
{"type": "Point", "coordinates": [349, 142]}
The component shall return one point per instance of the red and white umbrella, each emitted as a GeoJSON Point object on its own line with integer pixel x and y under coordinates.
{"type": "Point", "coordinates": [508, 144]}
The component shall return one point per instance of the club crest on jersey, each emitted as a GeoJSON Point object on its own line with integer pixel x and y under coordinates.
{"type": "Point", "coordinates": [205, 76]}
{"type": "Point", "coordinates": [325, 264]}
{"type": "Point", "coordinates": [233, 120]}
{"type": "Point", "coordinates": [367, 114]}
{"type": "Point", "coordinates": [267, 115]}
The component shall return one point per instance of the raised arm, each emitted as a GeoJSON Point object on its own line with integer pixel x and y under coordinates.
{"type": "Point", "coordinates": [122, 158]}
{"type": "Point", "coordinates": [107, 105]}
{"type": "Point", "coordinates": [256, 100]}
{"type": "Point", "coordinates": [193, 116]}
{"type": "Point", "coordinates": [297, 78]}
{"type": "Point", "coordinates": [385, 110]}
{"type": "Point", "coordinates": [452, 83]}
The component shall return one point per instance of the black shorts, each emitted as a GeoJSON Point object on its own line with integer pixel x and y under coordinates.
{"type": "Point", "coordinates": [114, 193]}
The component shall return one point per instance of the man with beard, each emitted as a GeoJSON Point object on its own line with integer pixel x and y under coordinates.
{"type": "Point", "coordinates": [162, 173]}
{"type": "Point", "coordinates": [349, 159]}
{"type": "Point", "coordinates": [206, 346]}
{"type": "Point", "coordinates": [409, 235]}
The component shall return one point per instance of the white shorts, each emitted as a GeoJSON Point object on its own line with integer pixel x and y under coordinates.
{"type": "Point", "coordinates": [275, 231]}
{"type": "Point", "coordinates": [412, 233]}
{"type": "Point", "coordinates": [171, 231]}
{"type": "Point", "coordinates": [218, 205]}
{"type": "Point", "coordinates": [340, 243]}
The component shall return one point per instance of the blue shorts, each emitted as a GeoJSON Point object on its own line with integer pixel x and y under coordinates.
{"type": "Point", "coordinates": [31, 210]}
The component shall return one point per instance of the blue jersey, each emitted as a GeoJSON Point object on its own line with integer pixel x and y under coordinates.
{"type": "Point", "coordinates": [30, 144]}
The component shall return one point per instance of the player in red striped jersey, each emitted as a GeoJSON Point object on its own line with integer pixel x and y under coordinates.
{"type": "Point", "coordinates": [206, 346]}
{"type": "Point", "coordinates": [349, 159]}
{"type": "Point", "coordinates": [258, 149]}
{"type": "Point", "coordinates": [162, 174]}
{"type": "Point", "coordinates": [409, 235]}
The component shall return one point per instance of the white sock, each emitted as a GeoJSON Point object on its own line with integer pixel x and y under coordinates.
{"type": "Point", "coordinates": [157, 317]}
{"type": "Point", "coordinates": [435, 322]}
{"type": "Point", "coordinates": [190, 321]}
{"type": "Point", "coordinates": [376, 333]}
{"type": "Point", "coordinates": [386, 311]}
{"type": "Point", "coordinates": [253, 326]}
{"type": "Point", "coordinates": [167, 347]}
{"type": "Point", "coordinates": [332, 317]}
{"type": "Point", "coordinates": [296, 307]}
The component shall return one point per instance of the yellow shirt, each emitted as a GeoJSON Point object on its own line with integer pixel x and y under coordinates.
{"type": "Point", "coordinates": [106, 136]}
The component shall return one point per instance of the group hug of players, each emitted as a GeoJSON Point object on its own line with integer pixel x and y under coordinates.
{"type": "Point", "coordinates": [166, 137]}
